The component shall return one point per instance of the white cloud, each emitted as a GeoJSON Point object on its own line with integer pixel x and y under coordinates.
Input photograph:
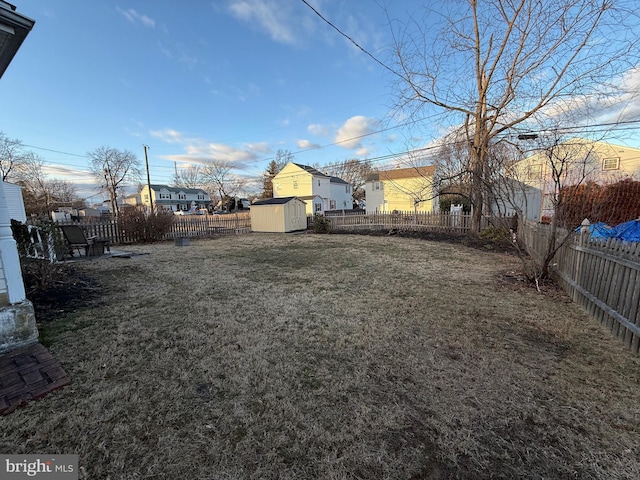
{"type": "Point", "coordinates": [269, 16]}
{"type": "Point", "coordinates": [350, 134]}
{"type": "Point", "coordinates": [136, 18]}
{"type": "Point", "coordinates": [201, 151]}
{"type": "Point", "coordinates": [307, 145]}
{"type": "Point", "coordinates": [167, 135]}
{"type": "Point", "coordinates": [319, 130]}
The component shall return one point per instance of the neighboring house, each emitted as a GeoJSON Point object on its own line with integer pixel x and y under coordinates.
{"type": "Point", "coordinates": [314, 204]}
{"type": "Point", "coordinates": [15, 203]}
{"type": "Point", "coordinates": [584, 161]}
{"type": "Point", "coordinates": [303, 181]}
{"type": "Point", "coordinates": [511, 197]}
{"type": "Point", "coordinates": [134, 199]}
{"type": "Point", "coordinates": [174, 198]}
{"type": "Point", "coordinates": [89, 212]}
{"type": "Point", "coordinates": [401, 189]}
{"type": "Point", "coordinates": [280, 215]}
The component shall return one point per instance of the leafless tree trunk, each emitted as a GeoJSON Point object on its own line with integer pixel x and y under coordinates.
{"type": "Point", "coordinates": [496, 64]}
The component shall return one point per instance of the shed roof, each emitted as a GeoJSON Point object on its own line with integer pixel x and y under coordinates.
{"type": "Point", "coordinates": [273, 201]}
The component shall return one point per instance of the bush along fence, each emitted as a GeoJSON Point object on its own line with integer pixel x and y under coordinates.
{"type": "Point", "coordinates": [442, 222]}
{"type": "Point", "coordinates": [603, 276]}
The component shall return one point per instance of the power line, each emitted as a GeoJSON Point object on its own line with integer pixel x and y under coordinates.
{"type": "Point", "coordinates": [364, 50]}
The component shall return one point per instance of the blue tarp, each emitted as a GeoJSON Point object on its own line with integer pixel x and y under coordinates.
{"type": "Point", "coordinates": [627, 231]}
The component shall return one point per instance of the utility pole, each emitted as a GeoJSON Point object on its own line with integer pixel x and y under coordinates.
{"type": "Point", "coordinates": [146, 161]}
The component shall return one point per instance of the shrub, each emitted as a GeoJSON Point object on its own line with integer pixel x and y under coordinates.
{"type": "Point", "coordinates": [143, 226]}
{"type": "Point", "coordinates": [496, 234]}
{"type": "Point", "coordinates": [321, 224]}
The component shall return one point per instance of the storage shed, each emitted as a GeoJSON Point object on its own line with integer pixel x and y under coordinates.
{"type": "Point", "coordinates": [279, 215]}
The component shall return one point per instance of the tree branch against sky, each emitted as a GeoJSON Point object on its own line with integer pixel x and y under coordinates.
{"type": "Point", "coordinates": [114, 169]}
{"type": "Point", "coordinates": [218, 177]}
{"type": "Point", "coordinates": [11, 156]}
{"type": "Point", "coordinates": [189, 177]}
{"type": "Point", "coordinates": [494, 65]}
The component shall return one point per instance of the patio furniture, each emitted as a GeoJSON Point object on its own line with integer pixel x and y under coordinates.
{"type": "Point", "coordinates": [76, 238]}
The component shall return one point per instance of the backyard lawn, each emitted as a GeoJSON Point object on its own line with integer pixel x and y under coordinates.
{"type": "Point", "coordinates": [331, 356]}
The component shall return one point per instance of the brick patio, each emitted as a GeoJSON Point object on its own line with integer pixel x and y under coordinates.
{"type": "Point", "coordinates": [28, 374]}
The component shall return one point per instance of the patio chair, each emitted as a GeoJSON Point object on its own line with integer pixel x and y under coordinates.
{"type": "Point", "coordinates": [75, 237]}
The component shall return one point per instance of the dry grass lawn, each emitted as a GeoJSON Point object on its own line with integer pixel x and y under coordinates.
{"type": "Point", "coordinates": [334, 357]}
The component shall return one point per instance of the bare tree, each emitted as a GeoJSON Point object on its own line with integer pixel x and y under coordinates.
{"type": "Point", "coordinates": [559, 163]}
{"type": "Point", "coordinates": [114, 169]}
{"type": "Point", "coordinates": [41, 194]}
{"type": "Point", "coordinates": [11, 155]}
{"type": "Point", "coordinates": [496, 64]}
{"type": "Point", "coordinates": [189, 177]}
{"type": "Point", "coordinates": [218, 177]}
{"type": "Point", "coordinates": [352, 171]}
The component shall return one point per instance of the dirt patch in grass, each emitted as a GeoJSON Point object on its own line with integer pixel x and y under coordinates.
{"type": "Point", "coordinates": [332, 356]}
{"type": "Point", "coordinates": [58, 289]}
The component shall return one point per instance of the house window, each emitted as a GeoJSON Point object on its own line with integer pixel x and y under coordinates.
{"type": "Point", "coordinates": [332, 204]}
{"type": "Point", "coordinates": [318, 182]}
{"type": "Point", "coordinates": [318, 207]}
{"type": "Point", "coordinates": [346, 188]}
{"type": "Point", "coordinates": [200, 197]}
{"type": "Point", "coordinates": [295, 184]}
{"type": "Point", "coordinates": [535, 171]}
{"type": "Point", "coordinates": [182, 196]}
{"type": "Point", "coordinates": [376, 186]}
{"type": "Point", "coordinates": [611, 163]}
{"type": "Point", "coordinates": [165, 196]}
{"type": "Point", "coordinates": [146, 198]}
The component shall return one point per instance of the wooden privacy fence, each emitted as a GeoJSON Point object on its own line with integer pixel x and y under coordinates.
{"type": "Point", "coordinates": [443, 222]}
{"type": "Point", "coordinates": [208, 225]}
{"type": "Point", "coordinates": [183, 226]}
{"type": "Point", "coordinates": [601, 276]}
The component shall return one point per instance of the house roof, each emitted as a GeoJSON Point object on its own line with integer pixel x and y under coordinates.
{"type": "Point", "coordinates": [397, 173]}
{"type": "Point", "coordinates": [16, 28]}
{"type": "Point", "coordinates": [273, 201]}
{"type": "Point", "coordinates": [195, 191]}
{"type": "Point", "coordinates": [311, 170]}
{"type": "Point", "coordinates": [337, 180]}
{"type": "Point", "coordinates": [309, 197]}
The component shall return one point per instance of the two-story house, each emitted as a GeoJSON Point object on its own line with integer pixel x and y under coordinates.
{"type": "Point", "coordinates": [320, 191]}
{"type": "Point", "coordinates": [401, 189]}
{"type": "Point", "coordinates": [579, 161]}
{"type": "Point", "coordinates": [174, 198]}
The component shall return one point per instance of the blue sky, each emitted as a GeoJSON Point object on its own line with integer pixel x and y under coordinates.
{"type": "Point", "coordinates": [235, 80]}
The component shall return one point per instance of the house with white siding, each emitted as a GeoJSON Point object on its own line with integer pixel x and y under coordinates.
{"type": "Point", "coordinates": [174, 198]}
{"type": "Point", "coordinates": [303, 181]}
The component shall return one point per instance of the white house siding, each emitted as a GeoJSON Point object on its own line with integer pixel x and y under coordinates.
{"type": "Point", "coordinates": [375, 198]}
{"type": "Point", "coordinates": [341, 194]}
{"type": "Point", "coordinates": [15, 203]}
